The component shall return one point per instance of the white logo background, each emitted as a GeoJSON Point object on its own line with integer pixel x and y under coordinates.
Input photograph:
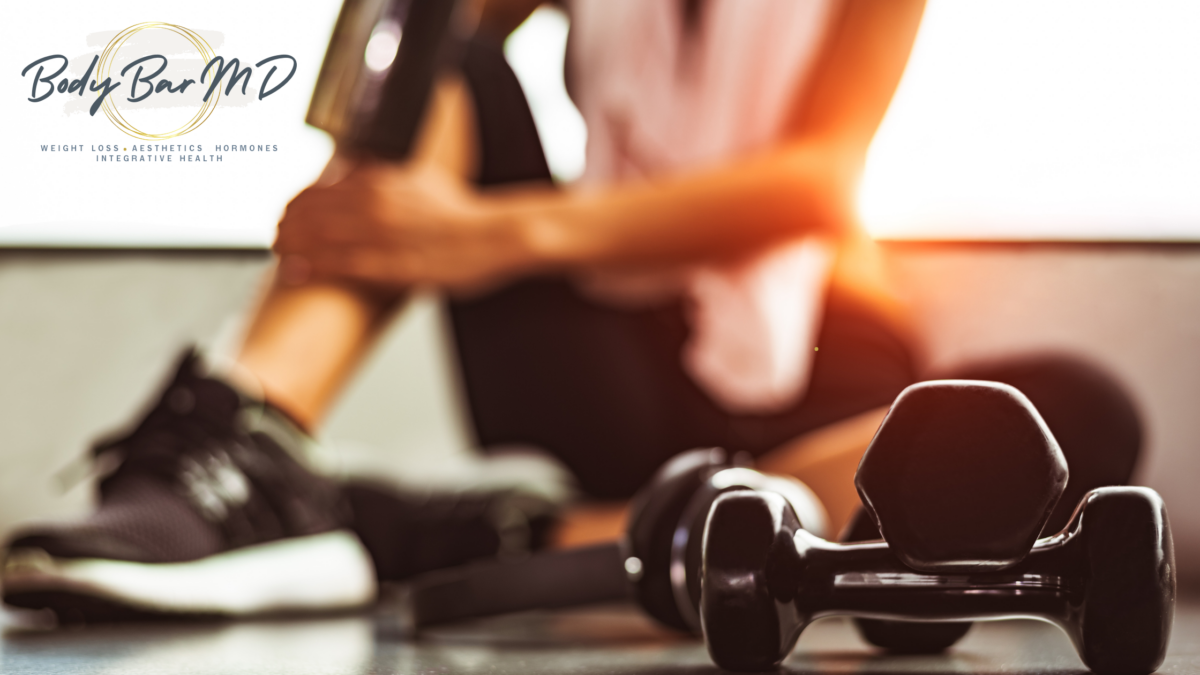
{"type": "Point", "coordinates": [68, 198]}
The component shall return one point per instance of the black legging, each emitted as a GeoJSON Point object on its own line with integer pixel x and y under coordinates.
{"type": "Point", "coordinates": [1091, 415]}
{"type": "Point", "coordinates": [603, 389]}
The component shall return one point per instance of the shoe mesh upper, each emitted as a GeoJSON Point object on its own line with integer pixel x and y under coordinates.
{"type": "Point", "coordinates": [192, 482]}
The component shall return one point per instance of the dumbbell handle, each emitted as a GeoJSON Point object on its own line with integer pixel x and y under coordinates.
{"type": "Point", "coordinates": [868, 580]}
{"type": "Point", "coordinates": [764, 579]}
{"type": "Point", "coordinates": [819, 578]}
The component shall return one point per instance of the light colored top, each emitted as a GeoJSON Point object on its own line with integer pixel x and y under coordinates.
{"type": "Point", "coordinates": [659, 99]}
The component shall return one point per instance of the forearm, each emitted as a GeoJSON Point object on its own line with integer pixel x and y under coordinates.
{"type": "Point", "coordinates": [804, 185]}
{"type": "Point", "coordinates": [706, 215]}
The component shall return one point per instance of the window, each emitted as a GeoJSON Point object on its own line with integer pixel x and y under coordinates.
{"type": "Point", "coordinates": [1027, 119]}
{"type": "Point", "coordinates": [1016, 119]}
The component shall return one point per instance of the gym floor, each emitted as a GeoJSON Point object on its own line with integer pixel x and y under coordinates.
{"type": "Point", "coordinates": [595, 640]}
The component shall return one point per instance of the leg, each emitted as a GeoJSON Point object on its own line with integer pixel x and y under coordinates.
{"type": "Point", "coordinates": [306, 339]}
{"type": "Point", "coordinates": [861, 367]}
{"type": "Point", "coordinates": [198, 480]}
{"type": "Point", "coordinates": [824, 459]}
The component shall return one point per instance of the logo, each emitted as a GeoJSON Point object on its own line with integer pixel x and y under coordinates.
{"type": "Point", "coordinates": [152, 94]}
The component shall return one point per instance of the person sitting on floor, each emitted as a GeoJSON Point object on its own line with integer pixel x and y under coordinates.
{"type": "Point", "coordinates": [707, 283]}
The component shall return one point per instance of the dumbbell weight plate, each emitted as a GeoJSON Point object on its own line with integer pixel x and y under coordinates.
{"type": "Point", "coordinates": [961, 476]}
{"type": "Point", "coordinates": [655, 514]}
{"type": "Point", "coordinates": [1129, 603]}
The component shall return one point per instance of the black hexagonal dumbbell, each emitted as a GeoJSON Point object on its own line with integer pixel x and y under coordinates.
{"type": "Point", "coordinates": [915, 473]}
{"type": "Point", "coordinates": [961, 476]}
{"type": "Point", "coordinates": [960, 479]}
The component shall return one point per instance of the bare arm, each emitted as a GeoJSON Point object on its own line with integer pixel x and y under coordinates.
{"type": "Point", "coordinates": [398, 225]}
{"type": "Point", "coordinates": [804, 185]}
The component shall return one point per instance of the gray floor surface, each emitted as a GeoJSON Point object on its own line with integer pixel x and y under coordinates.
{"type": "Point", "coordinates": [594, 640]}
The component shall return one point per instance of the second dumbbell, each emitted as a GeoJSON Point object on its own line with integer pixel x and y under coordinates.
{"type": "Point", "coordinates": [1107, 580]}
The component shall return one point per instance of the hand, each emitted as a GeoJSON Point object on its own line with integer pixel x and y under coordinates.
{"type": "Point", "coordinates": [393, 227]}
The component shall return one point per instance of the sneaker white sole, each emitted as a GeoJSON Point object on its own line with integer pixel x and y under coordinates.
{"type": "Point", "coordinates": [323, 572]}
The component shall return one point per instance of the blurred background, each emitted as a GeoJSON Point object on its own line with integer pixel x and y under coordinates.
{"type": "Point", "coordinates": [1034, 184]}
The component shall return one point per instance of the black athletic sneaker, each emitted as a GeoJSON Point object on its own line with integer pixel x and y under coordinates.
{"type": "Point", "coordinates": [208, 512]}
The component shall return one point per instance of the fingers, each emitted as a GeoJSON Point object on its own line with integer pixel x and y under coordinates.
{"type": "Point", "coordinates": [336, 216]}
{"type": "Point", "coordinates": [320, 216]}
{"type": "Point", "coordinates": [384, 225]}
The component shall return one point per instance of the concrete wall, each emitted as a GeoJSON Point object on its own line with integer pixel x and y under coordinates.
{"type": "Point", "coordinates": [84, 338]}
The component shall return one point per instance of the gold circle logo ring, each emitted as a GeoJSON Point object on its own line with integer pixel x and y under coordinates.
{"type": "Point", "coordinates": [108, 56]}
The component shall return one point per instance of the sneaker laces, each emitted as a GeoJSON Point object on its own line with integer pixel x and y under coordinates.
{"type": "Point", "coordinates": [240, 480]}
